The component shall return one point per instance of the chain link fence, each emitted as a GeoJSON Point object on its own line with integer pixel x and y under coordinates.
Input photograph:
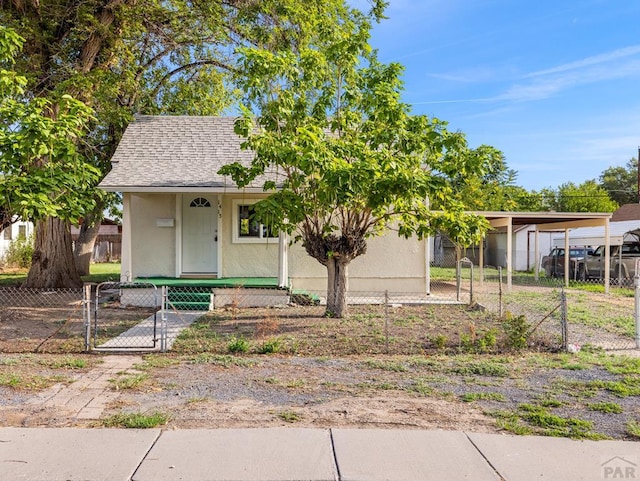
{"type": "Point", "coordinates": [466, 309]}
{"type": "Point", "coordinates": [577, 315]}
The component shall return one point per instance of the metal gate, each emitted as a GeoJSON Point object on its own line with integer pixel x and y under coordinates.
{"type": "Point", "coordinates": [125, 317]}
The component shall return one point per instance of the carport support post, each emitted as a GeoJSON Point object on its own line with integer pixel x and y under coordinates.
{"type": "Point", "coordinates": [536, 253]}
{"type": "Point", "coordinates": [607, 256]}
{"type": "Point", "coordinates": [509, 253]}
{"type": "Point", "coordinates": [567, 257]}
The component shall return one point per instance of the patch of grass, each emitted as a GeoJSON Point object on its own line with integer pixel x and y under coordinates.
{"type": "Point", "coordinates": [626, 387]}
{"type": "Point", "coordinates": [558, 426]}
{"type": "Point", "coordinates": [483, 396]}
{"type": "Point", "coordinates": [622, 365]}
{"type": "Point", "coordinates": [151, 361]}
{"type": "Point", "coordinates": [103, 272]}
{"type": "Point", "coordinates": [606, 407]}
{"type": "Point", "coordinates": [510, 422]}
{"type": "Point", "coordinates": [485, 367]}
{"type": "Point", "coordinates": [386, 365]}
{"type": "Point", "coordinates": [9, 361]}
{"type": "Point", "coordinates": [421, 387]}
{"type": "Point", "coordinates": [270, 346]}
{"type": "Point", "coordinates": [131, 381]}
{"type": "Point", "coordinates": [136, 420]}
{"type": "Point", "coordinates": [29, 382]}
{"type": "Point", "coordinates": [290, 416]}
{"type": "Point", "coordinates": [11, 380]}
{"type": "Point", "coordinates": [633, 428]}
{"type": "Point", "coordinates": [224, 360]}
{"type": "Point", "coordinates": [238, 345]}
{"type": "Point", "coordinates": [195, 400]}
{"type": "Point", "coordinates": [378, 386]}
{"type": "Point", "coordinates": [64, 362]}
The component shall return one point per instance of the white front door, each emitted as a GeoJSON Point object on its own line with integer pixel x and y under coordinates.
{"type": "Point", "coordinates": [199, 234]}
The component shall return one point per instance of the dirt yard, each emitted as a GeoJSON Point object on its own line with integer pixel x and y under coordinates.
{"type": "Point", "coordinates": [432, 367]}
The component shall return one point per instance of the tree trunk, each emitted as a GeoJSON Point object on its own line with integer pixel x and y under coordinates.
{"type": "Point", "coordinates": [337, 278]}
{"type": "Point", "coordinates": [52, 264]}
{"type": "Point", "coordinates": [85, 242]}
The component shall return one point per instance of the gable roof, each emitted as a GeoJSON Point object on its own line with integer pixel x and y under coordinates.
{"type": "Point", "coordinates": [175, 153]}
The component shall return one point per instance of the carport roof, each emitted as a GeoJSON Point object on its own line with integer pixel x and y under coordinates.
{"type": "Point", "coordinates": [547, 220]}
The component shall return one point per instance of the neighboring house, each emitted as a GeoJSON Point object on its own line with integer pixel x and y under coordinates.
{"type": "Point", "coordinates": [108, 244]}
{"type": "Point", "coordinates": [183, 220]}
{"type": "Point", "coordinates": [16, 230]}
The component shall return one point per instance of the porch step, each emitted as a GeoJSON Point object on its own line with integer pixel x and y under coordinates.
{"type": "Point", "coordinates": [190, 299]}
{"type": "Point", "coordinates": [190, 306]}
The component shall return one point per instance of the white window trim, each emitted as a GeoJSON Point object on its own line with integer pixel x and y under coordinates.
{"type": "Point", "coordinates": [236, 203]}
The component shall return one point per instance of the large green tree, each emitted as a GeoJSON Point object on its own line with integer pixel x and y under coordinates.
{"type": "Point", "coordinates": [342, 157]}
{"type": "Point", "coordinates": [151, 56]}
{"type": "Point", "coordinates": [621, 183]}
{"type": "Point", "coordinates": [42, 172]}
{"type": "Point", "coordinates": [585, 197]}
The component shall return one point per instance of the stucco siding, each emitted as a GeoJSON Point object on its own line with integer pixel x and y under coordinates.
{"type": "Point", "coordinates": [390, 263]}
{"type": "Point", "coordinates": [153, 248]}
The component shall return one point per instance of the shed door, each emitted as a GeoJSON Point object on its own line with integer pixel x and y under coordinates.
{"type": "Point", "coordinates": [199, 234]}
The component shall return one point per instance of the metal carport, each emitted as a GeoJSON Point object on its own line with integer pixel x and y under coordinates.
{"type": "Point", "coordinates": [546, 221]}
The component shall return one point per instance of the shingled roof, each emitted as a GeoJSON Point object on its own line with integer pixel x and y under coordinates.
{"type": "Point", "coordinates": [173, 153]}
{"type": "Point", "coordinates": [627, 212]}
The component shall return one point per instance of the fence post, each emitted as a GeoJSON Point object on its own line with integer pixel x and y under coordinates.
{"type": "Point", "coordinates": [465, 260]}
{"type": "Point", "coordinates": [86, 314]}
{"type": "Point", "coordinates": [563, 320]}
{"type": "Point", "coordinates": [386, 321]}
{"type": "Point", "coordinates": [458, 280]}
{"type": "Point", "coordinates": [163, 320]}
{"type": "Point", "coordinates": [636, 284]}
{"type": "Point", "coordinates": [500, 312]}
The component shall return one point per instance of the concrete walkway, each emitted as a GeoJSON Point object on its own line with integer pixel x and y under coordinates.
{"type": "Point", "coordinates": [141, 337]}
{"type": "Point", "coordinates": [290, 454]}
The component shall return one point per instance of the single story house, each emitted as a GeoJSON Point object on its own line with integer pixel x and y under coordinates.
{"type": "Point", "coordinates": [182, 220]}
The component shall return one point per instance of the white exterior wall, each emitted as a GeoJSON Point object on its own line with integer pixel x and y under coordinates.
{"type": "Point", "coordinates": [391, 263]}
{"type": "Point", "coordinates": [153, 248]}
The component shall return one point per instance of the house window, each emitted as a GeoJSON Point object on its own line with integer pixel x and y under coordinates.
{"type": "Point", "coordinates": [22, 231]}
{"type": "Point", "coordinates": [246, 228]}
{"type": "Point", "coordinates": [200, 202]}
{"type": "Point", "coordinates": [6, 235]}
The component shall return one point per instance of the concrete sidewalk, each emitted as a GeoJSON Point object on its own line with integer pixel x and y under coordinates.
{"type": "Point", "coordinates": [289, 454]}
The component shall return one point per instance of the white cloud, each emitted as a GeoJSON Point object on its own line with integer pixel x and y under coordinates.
{"type": "Point", "coordinates": [589, 61]}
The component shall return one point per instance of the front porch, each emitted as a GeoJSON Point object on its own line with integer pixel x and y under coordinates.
{"type": "Point", "coordinates": [207, 294]}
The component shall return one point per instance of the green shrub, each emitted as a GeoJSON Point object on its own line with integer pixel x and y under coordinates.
{"type": "Point", "coordinates": [516, 329]}
{"type": "Point", "coordinates": [271, 346]}
{"type": "Point", "coordinates": [238, 344]}
{"type": "Point", "coordinates": [20, 252]}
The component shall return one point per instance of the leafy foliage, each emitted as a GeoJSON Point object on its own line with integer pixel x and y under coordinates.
{"type": "Point", "coordinates": [621, 183]}
{"type": "Point", "coordinates": [42, 172]}
{"type": "Point", "coordinates": [342, 157]}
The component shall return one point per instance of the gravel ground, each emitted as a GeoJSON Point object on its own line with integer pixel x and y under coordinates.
{"type": "Point", "coordinates": [396, 391]}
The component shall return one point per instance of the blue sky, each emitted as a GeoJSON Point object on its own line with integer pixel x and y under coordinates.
{"type": "Point", "coordinates": [555, 85]}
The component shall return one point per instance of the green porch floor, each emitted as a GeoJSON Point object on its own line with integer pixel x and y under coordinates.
{"type": "Point", "coordinates": [263, 282]}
